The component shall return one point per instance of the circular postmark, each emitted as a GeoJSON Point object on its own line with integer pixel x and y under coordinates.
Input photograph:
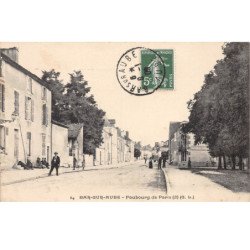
{"type": "Point", "coordinates": [140, 71]}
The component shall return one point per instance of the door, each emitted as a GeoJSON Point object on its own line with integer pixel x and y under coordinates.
{"type": "Point", "coordinates": [16, 144]}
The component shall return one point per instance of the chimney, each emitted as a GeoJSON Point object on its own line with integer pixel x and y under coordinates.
{"type": "Point", "coordinates": [127, 134]}
{"type": "Point", "coordinates": [112, 122]}
{"type": "Point", "coordinates": [12, 53]}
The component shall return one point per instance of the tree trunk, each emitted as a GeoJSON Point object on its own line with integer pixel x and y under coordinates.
{"type": "Point", "coordinates": [224, 162]}
{"type": "Point", "coordinates": [233, 162]}
{"type": "Point", "coordinates": [219, 163]}
{"type": "Point", "coordinates": [240, 163]}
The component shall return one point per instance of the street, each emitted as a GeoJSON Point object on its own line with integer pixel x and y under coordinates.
{"type": "Point", "coordinates": [132, 180]}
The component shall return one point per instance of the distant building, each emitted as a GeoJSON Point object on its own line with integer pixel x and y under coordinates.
{"type": "Point", "coordinates": [25, 113]}
{"type": "Point", "coordinates": [75, 143]}
{"type": "Point", "coordinates": [117, 147]}
{"type": "Point", "coordinates": [182, 148]}
{"type": "Point", "coordinates": [146, 151]}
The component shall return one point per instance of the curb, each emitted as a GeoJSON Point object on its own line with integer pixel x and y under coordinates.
{"type": "Point", "coordinates": [35, 178]}
{"type": "Point", "coordinates": [46, 175]}
{"type": "Point", "coordinates": [167, 183]}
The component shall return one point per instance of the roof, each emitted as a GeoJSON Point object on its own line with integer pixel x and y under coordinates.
{"type": "Point", "coordinates": [74, 130]}
{"type": "Point", "coordinates": [59, 124]}
{"type": "Point", "coordinates": [22, 69]}
{"type": "Point", "coordinates": [173, 127]}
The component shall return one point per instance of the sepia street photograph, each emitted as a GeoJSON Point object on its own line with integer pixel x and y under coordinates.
{"type": "Point", "coordinates": [124, 121]}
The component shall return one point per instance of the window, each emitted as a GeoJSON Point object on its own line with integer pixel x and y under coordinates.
{"type": "Point", "coordinates": [29, 84]}
{"type": "Point", "coordinates": [43, 145]}
{"type": "Point", "coordinates": [16, 103]}
{"type": "Point", "coordinates": [44, 115]}
{"type": "Point", "coordinates": [44, 93]}
{"type": "Point", "coordinates": [28, 143]}
{"type": "Point", "coordinates": [29, 109]}
{"type": "Point", "coordinates": [2, 97]}
{"type": "Point", "coordinates": [2, 139]}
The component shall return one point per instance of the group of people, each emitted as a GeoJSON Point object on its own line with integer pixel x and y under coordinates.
{"type": "Point", "coordinates": [42, 163]}
{"type": "Point", "coordinates": [161, 162]}
{"type": "Point", "coordinates": [30, 166]}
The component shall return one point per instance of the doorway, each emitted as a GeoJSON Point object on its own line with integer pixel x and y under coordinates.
{"type": "Point", "coordinates": [16, 144]}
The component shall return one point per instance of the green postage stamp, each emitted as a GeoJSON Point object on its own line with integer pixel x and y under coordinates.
{"type": "Point", "coordinates": [142, 71]}
{"type": "Point", "coordinates": [157, 69]}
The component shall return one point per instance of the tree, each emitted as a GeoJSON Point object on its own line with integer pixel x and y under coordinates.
{"type": "Point", "coordinates": [137, 153]}
{"type": "Point", "coordinates": [51, 78]}
{"type": "Point", "coordinates": [219, 111]}
{"type": "Point", "coordinates": [74, 104]}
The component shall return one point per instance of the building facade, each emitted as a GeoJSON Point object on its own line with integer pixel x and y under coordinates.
{"type": "Point", "coordinates": [117, 147]}
{"type": "Point", "coordinates": [182, 148]}
{"type": "Point", "coordinates": [25, 113]}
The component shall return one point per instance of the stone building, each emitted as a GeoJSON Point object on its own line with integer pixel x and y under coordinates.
{"type": "Point", "coordinates": [182, 148]}
{"type": "Point", "coordinates": [117, 147]}
{"type": "Point", "coordinates": [129, 148]}
{"type": "Point", "coordinates": [25, 113]}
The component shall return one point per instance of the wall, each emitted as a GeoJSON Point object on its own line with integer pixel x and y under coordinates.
{"type": "Point", "coordinates": [77, 148]}
{"type": "Point", "coordinates": [16, 80]}
{"type": "Point", "coordinates": [60, 143]}
{"type": "Point", "coordinates": [88, 160]}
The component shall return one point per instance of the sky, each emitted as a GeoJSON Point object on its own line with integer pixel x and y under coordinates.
{"type": "Point", "coordinates": [146, 118]}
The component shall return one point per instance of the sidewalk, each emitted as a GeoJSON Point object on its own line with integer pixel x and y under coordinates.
{"type": "Point", "coordinates": [197, 187]}
{"type": "Point", "coordinates": [12, 176]}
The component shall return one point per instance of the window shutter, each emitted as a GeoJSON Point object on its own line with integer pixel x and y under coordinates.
{"type": "Point", "coordinates": [47, 116]}
{"type": "Point", "coordinates": [16, 103]}
{"type": "Point", "coordinates": [26, 108]}
{"type": "Point", "coordinates": [32, 110]}
{"type": "Point", "coordinates": [44, 115]}
{"type": "Point", "coordinates": [1, 97]}
{"type": "Point", "coordinates": [29, 135]}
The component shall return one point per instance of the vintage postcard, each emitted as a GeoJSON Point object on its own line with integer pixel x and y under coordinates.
{"type": "Point", "coordinates": [124, 122]}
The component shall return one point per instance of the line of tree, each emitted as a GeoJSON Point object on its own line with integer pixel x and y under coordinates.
{"type": "Point", "coordinates": [73, 103]}
{"type": "Point", "coordinates": [219, 112]}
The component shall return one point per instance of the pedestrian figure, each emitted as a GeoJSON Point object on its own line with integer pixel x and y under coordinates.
{"type": "Point", "coordinates": [159, 162]}
{"type": "Point", "coordinates": [55, 163]}
{"type": "Point", "coordinates": [38, 163]}
{"type": "Point", "coordinates": [29, 164]}
{"type": "Point", "coordinates": [150, 164]}
{"type": "Point", "coordinates": [145, 158]}
{"type": "Point", "coordinates": [45, 163]}
{"type": "Point", "coordinates": [164, 162]}
{"type": "Point", "coordinates": [189, 162]}
{"type": "Point", "coordinates": [83, 163]}
{"type": "Point", "coordinates": [74, 162]}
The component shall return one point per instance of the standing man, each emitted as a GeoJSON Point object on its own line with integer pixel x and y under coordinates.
{"type": "Point", "coordinates": [55, 163]}
{"type": "Point", "coordinates": [159, 162]}
{"type": "Point", "coordinates": [164, 161]}
{"type": "Point", "coordinates": [74, 162]}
